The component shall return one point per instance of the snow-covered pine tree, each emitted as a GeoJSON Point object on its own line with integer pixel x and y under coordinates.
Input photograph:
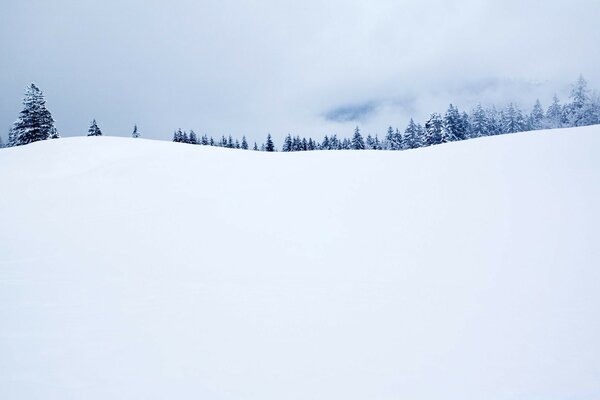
{"type": "Point", "coordinates": [357, 140]}
{"type": "Point", "coordinates": [412, 138]}
{"type": "Point", "coordinates": [35, 121]}
{"type": "Point", "coordinates": [536, 118]}
{"type": "Point", "coordinates": [193, 139]}
{"type": "Point", "coordinates": [255, 148]}
{"type": "Point", "coordinates": [269, 146]}
{"type": "Point", "coordinates": [433, 130]}
{"type": "Point", "coordinates": [513, 120]}
{"type": "Point", "coordinates": [453, 125]}
{"type": "Point", "coordinates": [554, 114]}
{"type": "Point", "coordinates": [325, 145]}
{"type": "Point", "coordinates": [578, 111]}
{"type": "Point", "coordinates": [244, 143]}
{"type": "Point", "coordinates": [135, 134]}
{"type": "Point", "coordinates": [287, 143]}
{"type": "Point", "coordinates": [479, 122]}
{"type": "Point", "coordinates": [237, 144]}
{"type": "Point", "coordinates": [94, 130]}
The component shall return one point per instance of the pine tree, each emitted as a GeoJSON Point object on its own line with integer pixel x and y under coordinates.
{"type": "Point", "coordinates": [135, 133]}
{"type": "Point", "coordinates": [554, 114]}
{"type": "Point", "coordinates": [453, 125]}
{"type": "Point", "coordinates": [577, 112]}
{"type": "Point", "coordinates": [255, 148]}
{"type": "Point", "coordinates": [94, 130]}
{"type": "Point", "coordinates": [536, 118]}
{"type": "Point", "coordinates": [479, 122]}
{"type": "Point", "coordinates": [270, 147]}
{"type": "Point", "coordinates": [35, 121]}
{"type": "Point", "coordinates": [412, 137]}
{"type": "Point", "coordinates": [512, 119]}
{"type": "Point", "coordinates": [287, 143]}
{"type": "Point", "coordinates": [193, 139]}
{"type": "Point", "coordinates": [357, 140]}
{"type": "Point", "coordinates": [244, 143]}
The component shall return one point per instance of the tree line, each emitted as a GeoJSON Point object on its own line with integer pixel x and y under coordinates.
{"type": "Point", "coordinates": [36, 123]}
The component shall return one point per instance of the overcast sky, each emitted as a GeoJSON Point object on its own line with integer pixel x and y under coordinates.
{"type": "Point", "coordinates": [305, 67]}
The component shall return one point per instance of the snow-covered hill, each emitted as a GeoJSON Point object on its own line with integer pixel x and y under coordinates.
{"type": "Point", "coordinates": [136, 269]}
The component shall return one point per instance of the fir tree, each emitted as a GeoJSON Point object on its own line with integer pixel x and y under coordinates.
{"type": "Point", "coordinates": [269, 146]}
{"type": "Point", "coordinates": [412, 136]}
{"type": "Point", "coordinates": [479, 122]}
{"type": "Point", "coordinates": [244, 143]}
{"type": "Point", "coordinates": [357, 140]}
{"type": "Point", "coordinates": [536, 118]}
{"type": "Point", "coordinates": [577, 112]}
{"type": "Point", "coordinates": [193, 139]}
{"type": "Point", "coordinates": [135, 133]}
{"type": "Point", "coordinates": [255, 148]}
{"type": "Point", "coordinates": [433, 129]}
{"type": "Point", "coordinates": [94, 130]}
{"type": "Point", "coordinates": [287, 143]}
{"type": "Point", "coordinates": [35, 121]}
{"type": "Point", "coordinates": [512, 119]}
{"type": "Point", "coordinates": [453, 125]}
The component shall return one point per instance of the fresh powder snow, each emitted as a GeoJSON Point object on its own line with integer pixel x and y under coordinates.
{"type": "Point", "coordinates": [138, 269]}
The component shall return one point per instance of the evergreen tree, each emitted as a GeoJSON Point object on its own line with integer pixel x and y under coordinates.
{"type": "Point", "coordinates": [357, 140]}
{"type": "Point", "coordinates": [453, 126]}
{"type": "Point", "coordinates": [554, 114]}
{"type": "Point", "coordinates": [512, 119]}
{"type": "Point", "coordinates": [269, 146]}
{"type": "Point", "coordinates": [255, 148]}
{"type": "Point", "coordinates": [433, 129]}
{"type": "Point", "coordinates": [287, 143]}
{"type": "Point", "coordinates": [244, 143]}
{"type": "Point", "coordinates": [237, 144]}
{"type": "Point", "coordinates": [412, 139]}
{"type": "Point", "coordinates": [536, 118]}
{"type": "Point", "coordinates": [193, 139]}
{"type": "Point", "coordinates": [325, 145]}
{"type": "Point", "coordinates": [35, 121]}
{"type": "Point", "coordinates": [479, 122]}
{"type": "Point", "coordinates": [135, 133]}
{"type": "Point", "coordinates": [185, 138]}
{"type": "Point", "coordinates": [204, 140]}
{"type": "Point", "coordinates": [94, 130]}
{"type": "Point", "coordinates": [577, 113]}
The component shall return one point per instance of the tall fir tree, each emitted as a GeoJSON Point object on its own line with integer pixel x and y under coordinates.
{"type": "Point", "coordinates": [412, 139]}
{"type": "Point", "coordinates": [577, 113]}
{"type": "Point", "coordinates": [357, 140]}
{"type": "Point", "coordinates": [269, 146]}
{"type": "Point", "coordinates": [244, 143]}
{"type": "Point", "coordinates": [35, 121]}
{"type": "Point", "coordinates": [453, 125]}
{"type": "Point", "coordinates": [94, 130]}
{"type": "Point", "coordinates": [287, 144]}
{"type": "Point", "coordinates": [513, 120]}
{"type": "Point", "coordinates": [554, 114]}
{"type": "Point", "coordinates": [479, 122]}
{"type": "Point", "coordinates": [135, 134]}
{"type": "Point", "coordinates": [536, 118]}
{"type": "Point", "coordinates": [433, 130]}
{"type": "Point", "coordinates": [193, 139]}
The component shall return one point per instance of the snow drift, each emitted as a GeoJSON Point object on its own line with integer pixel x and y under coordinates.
{"type": "Point", "coordinates": [137, 269]}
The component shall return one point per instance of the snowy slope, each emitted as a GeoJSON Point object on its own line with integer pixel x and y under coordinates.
{"type": "Point", "coordinates": [136, 269]}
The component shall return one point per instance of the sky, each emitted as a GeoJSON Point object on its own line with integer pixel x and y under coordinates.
{"type": "Point", "coordinates": [302, 67]}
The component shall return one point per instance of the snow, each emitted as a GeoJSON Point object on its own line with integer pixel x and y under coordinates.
{"type": "Point", "coordinates": [138, 269]}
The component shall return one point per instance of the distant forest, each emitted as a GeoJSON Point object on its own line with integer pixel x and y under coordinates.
{"type": "Point", "coordinates": [36, 123]}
